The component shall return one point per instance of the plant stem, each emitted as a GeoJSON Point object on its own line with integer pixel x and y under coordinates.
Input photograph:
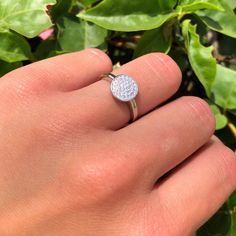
{"type": "Point", "coordinates": [232, 128]}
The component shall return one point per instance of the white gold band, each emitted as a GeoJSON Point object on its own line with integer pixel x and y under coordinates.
{"type": "Point", "coordinates": [125, 89]}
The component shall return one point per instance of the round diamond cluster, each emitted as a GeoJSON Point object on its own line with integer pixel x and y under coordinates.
{"type": "Point", "coordinates": [124, 88]}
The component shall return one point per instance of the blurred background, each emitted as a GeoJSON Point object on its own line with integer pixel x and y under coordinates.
{"type": "Point", "coordinates": [199, 35]}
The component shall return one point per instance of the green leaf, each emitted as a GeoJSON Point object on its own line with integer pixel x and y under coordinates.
{"type": "Point", "coordinates": [193, 5]}
{"type": "Point", "coordinates": [6, 67]}
{"type": "Point", "coordinates": [224, 88]}
{"type": "Point", "coordinates": [164, 5]}
{"type": "Point", "coordinates": [218, 225]}
{"type": "Point", "coordinates": [13, 47]}
{"type": "Point", "coordinates": [232, 3]}
{"type": "Point", "coordinates": [45, 49]}
{"type": "Point", "coordinates": [200, 57]}
{"type": "Point", "coordinates": [27, 17]}
{"type": "Point", "coordinates": [62, 7]}
{"type": "Point", "coordinates": [123, 15]}
{"type": "Point", "coordinates": [232, 212]}
{"type": "Point", "coordinates": [221, 120]}
{"type": "Point", "coordinates": [156, 40]}
{"type": "Point", "coordinates": [75, 34]}
{"type": "Point", "coordinates": [88, 2]}
{"type": "Point", "coordinates": [221, 21]}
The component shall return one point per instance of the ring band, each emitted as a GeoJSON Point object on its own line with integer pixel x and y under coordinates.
{"type": "Point", "coordinates": [125, 89]}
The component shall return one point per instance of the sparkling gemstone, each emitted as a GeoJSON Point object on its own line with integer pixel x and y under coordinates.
{"type": "Point", "coordinates": [124, 88]}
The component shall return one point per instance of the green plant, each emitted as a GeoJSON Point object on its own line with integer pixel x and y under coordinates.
{"type": "Point", "coordinates": [199, 34]}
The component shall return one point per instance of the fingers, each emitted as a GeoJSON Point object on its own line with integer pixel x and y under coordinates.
{"type": "Point", "coordinates": [157, 74]}
{"type": "Point", "coordinates": [158, 78]}
{"type": "Point", "coordinates": [66, 72]}
{"type": "Point", "coordinates": [197, 188]}
{"type": "Point", "coordinates": [165, 137]}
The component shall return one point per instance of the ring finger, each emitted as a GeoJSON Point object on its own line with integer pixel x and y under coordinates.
{"type": "Point", "coordinates": [158, 78]}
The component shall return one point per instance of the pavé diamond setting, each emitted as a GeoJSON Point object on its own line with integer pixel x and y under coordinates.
{"type": "Point", "coordinates": [125, 89]}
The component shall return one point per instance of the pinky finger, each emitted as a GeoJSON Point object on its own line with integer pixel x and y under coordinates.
{"type": "Point", "coordinates": [197, 188]}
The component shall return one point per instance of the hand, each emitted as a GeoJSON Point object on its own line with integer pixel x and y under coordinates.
{"type": "Point", "coordinates": [69, 164]}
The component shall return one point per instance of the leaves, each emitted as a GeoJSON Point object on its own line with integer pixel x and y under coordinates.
{"type": "Point", "coordinates": [218, 225]}
{"type": "Point", "coordinates": [26, 17]}
{"type": "Point", "coordinates": [232, 212]}
{"type": "Point", "coordinates": [123, 15]}
{"type": "Point", "coordinates": [13, 47]}
{"type": "Point", "coordinates": [221, 120]}
{"type": "Point", "coordinates": [88, 2]}
{"type": "Point", "coordinates": [61, 8]}
{"type": "Point", "coordinates": [157, 40]}
{"type": "Point", "coordinates": [200, 57]}
{"type": "Point", "coordinates": [224, 88]}
{"type": "Point", "coordinates": [5, 67]}
{"type": "Point", "coordinates": [75, 34]}
{"type": "Point", "coordinates": [166, 5]}
{"type": "Point", "coordinates": [45, 49]}
{"type": "Point", "coordinates": [232, 3]}
{"type": "Point", "coordinates": [223, 22]}
{"type": "Point", "coordinates": [193, 5]}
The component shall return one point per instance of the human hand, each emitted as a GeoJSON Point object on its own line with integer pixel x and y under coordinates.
{"type": "Point", "coordinates": [69, 165]}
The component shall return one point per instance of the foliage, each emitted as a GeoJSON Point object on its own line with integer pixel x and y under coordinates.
{"type": "Point", "coordinates": [199, 34]}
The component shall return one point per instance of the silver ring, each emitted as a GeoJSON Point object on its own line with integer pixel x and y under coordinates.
{"type": "Point", "coordinates": [125, 89]}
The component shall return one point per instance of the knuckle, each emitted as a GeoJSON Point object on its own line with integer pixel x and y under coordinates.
{"type": "Point", "coordinates": [199, 109]}
{"type": "Point", "coordinates": [92, 179]}
{"type": "Point", "coordinates": [103, 175]}
{"type": "Point", "coordinates": [33, 79]}
{"type": "Point", "coordinates": [93, 182]}
{"type": "Point", "coordinates": [25, 86]}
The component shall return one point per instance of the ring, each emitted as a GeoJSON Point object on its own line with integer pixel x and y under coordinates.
{"type": "Point", "coordinates": [125, 89]}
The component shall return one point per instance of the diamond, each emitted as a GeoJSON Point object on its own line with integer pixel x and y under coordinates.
{"type": "Point", "coordinates": [124, 88]}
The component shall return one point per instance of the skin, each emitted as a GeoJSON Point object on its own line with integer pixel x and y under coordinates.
{"type": "Point", "coordinates": [70, 164]}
